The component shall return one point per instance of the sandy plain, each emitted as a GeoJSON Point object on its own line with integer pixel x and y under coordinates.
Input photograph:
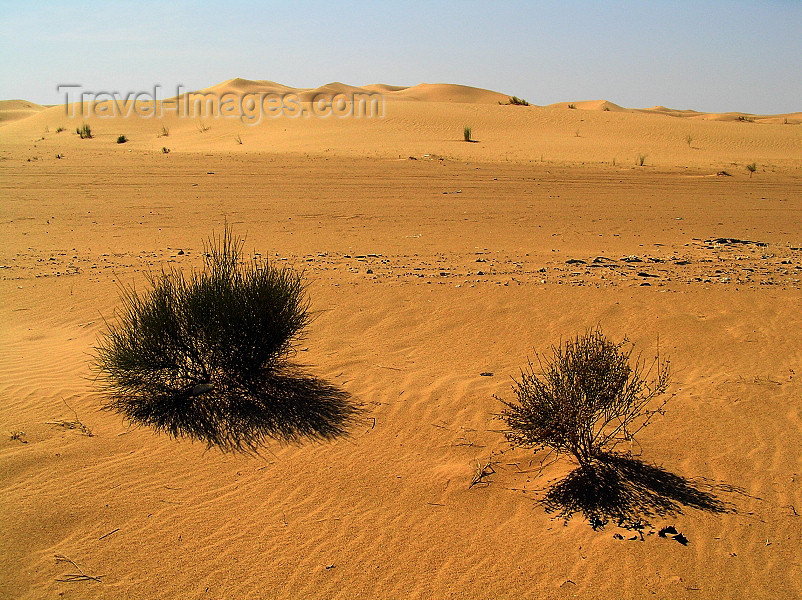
{"type": "Point", "coordinates": [430, 261]}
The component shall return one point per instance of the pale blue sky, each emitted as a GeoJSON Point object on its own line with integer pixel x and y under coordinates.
{"type": "Point", "coordinates": [705, 55]}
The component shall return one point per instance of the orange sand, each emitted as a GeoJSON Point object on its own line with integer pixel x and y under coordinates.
{"type": "Point", "coordinates": [466, 247]}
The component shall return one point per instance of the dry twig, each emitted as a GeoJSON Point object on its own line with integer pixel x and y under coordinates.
{"type": "Point", "coordinates": [482, 470]}
{"type": "Point", "coordinates": [74, 424]}
{"type": "Point", "coordinates": [73, 577]}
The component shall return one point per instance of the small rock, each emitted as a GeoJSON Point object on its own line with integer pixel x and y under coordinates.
{"type": "Point", "coordinates": [486, 374]}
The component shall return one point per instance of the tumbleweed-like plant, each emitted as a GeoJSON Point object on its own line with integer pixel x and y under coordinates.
{"type": "Point", "coordinates": [208, 356]}
{"type": "Point", "coordinates": [589, 397]}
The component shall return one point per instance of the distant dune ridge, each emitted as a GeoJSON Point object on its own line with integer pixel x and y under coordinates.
{"type": "Point", "coordinates": [13, 110]}
{"type": "Point", "coordinates": [423, 92]}
{"type": "Point", "coordinates": [398, 121]}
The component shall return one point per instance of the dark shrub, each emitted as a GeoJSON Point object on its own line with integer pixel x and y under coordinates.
{"type": "Point", "coordinates": [588, 398]}
{"type": "Point", "coordinates": [207, 357]}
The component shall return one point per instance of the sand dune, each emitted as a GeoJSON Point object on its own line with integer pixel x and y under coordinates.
{"type": "Point", "coordinates": [443, 92]}
{"type": "Point", "coordinates": [436, 269]}
{"type": "Point", "coordinates": [14, 110]}
{"type": "Point", "coordinates": [428, 119]}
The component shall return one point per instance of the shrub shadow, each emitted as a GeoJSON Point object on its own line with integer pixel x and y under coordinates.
{"type": "Point", "coordinates": [627, 490]}
{"type": "Point", "coordinates": [290, 406]}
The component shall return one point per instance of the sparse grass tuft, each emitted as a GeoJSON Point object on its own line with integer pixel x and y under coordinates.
{"type": "Point", "coordinates": [164, 132]}
{"type": "Point", "coordinates": [60, 129]}
{"type": "Point", "coordinates": [203, 127]}
{"type": "Point", "coordinates": [572, 106]}
{"type": "Point", "coordinates": [641, 159]}
{"type": "Point", "coordinates": [84, 131]}
{"type": "Point", "coordinates": [689, 140]}
{"type": "Point", "coordinates": [751, 168]}
{"type": "Point", "coordinates": [238, 139]}
{"type": "Point", "coordinates": [466, 133]}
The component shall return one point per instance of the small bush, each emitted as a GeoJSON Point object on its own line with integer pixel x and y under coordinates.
{"type": "Point", "coordinates": [572, 106]}
{"type": "Point", "coordinates": [207, 357]}
{"type": "Point", "coordinates": [751, 168]}
{"type": "Point", "coordinates": [165, 150]}
{"type": "Point", "coordinates": [164, 132]}
{"type": "Point", "coordinates": [588, 398]}
{"type": "Point", "coordinates": [466, 133]}
{"type": "Point", "coordinates": [641, 159]}
{"type": "Point", "coordinates": [516, 101]}
{"type": "Point", "coordinates": [121, 139]}
{"type": "Point", "coordinates": [84, 131]}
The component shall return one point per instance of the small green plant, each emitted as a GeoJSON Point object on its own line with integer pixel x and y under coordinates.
{"type": "Point", "coordinates": [208, 356]}
{"type": "Point", "coordinates": [588, 398]}
{"type": "Point", "coordinates": [572, 106]}
{"type": "Point", "coordinates": [165, 150]}
{"type": "Point", "coordinates": [466, 134]}
{"type": "Point", "coordinates": [84, 131]}
{"type": "Point", "coordinates": [60, 129]}
{"type": "Point", "coordinates": [516, 101]}
{"type": "Point", "coordinates": [641, 159]}
{"type": "Point", "coordinates": [121, 139]}
{"type": "Point", "coordinates": [164, 132]}
{"type": "Point", "coordinates": [751, 168]}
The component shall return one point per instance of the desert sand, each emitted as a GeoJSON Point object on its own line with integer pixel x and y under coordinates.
{"type": "Point", "coordinates": [436, 268]}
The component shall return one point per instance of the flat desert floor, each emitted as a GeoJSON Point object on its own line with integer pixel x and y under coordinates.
{"type": "Point", "coordinates": [435, 270]}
